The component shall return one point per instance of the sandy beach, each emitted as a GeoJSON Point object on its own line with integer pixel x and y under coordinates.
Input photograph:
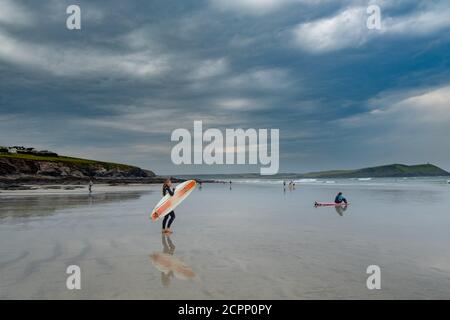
{"type": "Point", "coordinates": [252, 241]}
{"type": "Point", "coordinates": [34, 190]}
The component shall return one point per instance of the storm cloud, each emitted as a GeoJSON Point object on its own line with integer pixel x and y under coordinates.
{"type": "Point", "coordinates": [343, 96]}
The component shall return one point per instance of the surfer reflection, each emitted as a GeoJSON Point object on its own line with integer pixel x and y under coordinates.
{"type": "Point", "coordinates": [168, 248]}
{"type": "Point", "coordinates": [341, 209]}
{"type": "Point", "coordinates": [169, 265]}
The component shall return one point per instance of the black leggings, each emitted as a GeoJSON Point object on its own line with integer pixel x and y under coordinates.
{"type": "Point", "coordinates": [170, 215]}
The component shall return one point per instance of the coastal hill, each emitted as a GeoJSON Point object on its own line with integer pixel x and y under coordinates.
{"type": "Point", "coordinates": [30, 166]}
{"type": "Point", "coordinates": [386, 171]}
{"type": "Point", "coordinates": [392, 170]}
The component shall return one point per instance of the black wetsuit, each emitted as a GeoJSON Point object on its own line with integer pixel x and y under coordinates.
{"type": "Point", "coordinates": [171, 215]}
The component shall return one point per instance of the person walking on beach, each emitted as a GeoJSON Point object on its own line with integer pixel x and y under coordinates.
{"type": "Point", "coordinates": [291, 185]}
{"type": "Point", "coordinates": [170, 217]}
{"type": "Point", "coordinates": [340, 198]}
{"type": "Point", "coordinates": [90, 186]}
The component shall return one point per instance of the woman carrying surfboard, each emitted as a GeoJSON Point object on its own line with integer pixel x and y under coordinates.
{"type": "Point", "coordinates": [170, 217]}
{"type": "Point", "coordinates": [172, 197]}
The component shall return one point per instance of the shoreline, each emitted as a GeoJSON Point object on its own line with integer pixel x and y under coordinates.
{"type": "Point", "coordinates": [67, 189]}
{"type": "Point", "coordinates": [28, 183]}
{"type": "Point", "coordinates": [57, 188]}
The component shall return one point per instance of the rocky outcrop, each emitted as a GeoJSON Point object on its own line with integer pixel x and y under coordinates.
{"type": "Point", "coordinates": [26, 169]}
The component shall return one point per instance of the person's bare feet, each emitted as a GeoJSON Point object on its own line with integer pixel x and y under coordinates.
{"type": "Point", "coordinates": [165, 231]}
{"type": "Point", "coordinates": [169, 231]}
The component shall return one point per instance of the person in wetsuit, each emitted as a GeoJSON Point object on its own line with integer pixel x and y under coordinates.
{"type": "Point", "coordinates": [170, 217]}
{"type": "Point", "coordinates": [340, 198]}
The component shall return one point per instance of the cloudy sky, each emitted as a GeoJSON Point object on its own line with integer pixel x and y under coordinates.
{"type": "Point", "coordinates": [343, 96]}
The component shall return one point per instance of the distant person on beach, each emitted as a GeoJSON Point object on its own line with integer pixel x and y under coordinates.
{"type": "Point", "coordinates": [90, 186]}
{"type": "Point", "coordinates": [340, 198]}
{"type": "Point", "coordinates": [291, 185]}
{"type": "Point", "coordinates": [170, 217]}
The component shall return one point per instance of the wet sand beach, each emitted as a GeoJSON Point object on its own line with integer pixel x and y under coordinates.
{"type": "Point", "coordinates": [253, 241]}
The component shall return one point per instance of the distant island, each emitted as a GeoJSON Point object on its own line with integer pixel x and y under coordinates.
{"type": "Point", "coordinates": [386, 171]}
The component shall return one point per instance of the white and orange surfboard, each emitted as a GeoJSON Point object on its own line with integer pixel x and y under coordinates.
{"type": "Point", "coordinates": [168, 202]}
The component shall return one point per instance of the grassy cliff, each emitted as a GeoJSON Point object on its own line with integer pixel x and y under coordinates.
{"type": "Point", "coordinates": [63, 159]}
{"type": "Point", "coordinates": [37, 168]}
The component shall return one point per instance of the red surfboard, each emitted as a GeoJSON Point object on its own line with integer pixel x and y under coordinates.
{"type": "Point", "coordinates": [329, 204]}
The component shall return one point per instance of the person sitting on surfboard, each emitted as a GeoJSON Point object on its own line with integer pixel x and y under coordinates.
{"type": "Point", "coordinates": [340, 198]}
{"type": "Point", "coordinates": [171, 215]}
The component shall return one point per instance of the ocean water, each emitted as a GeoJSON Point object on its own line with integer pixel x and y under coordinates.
{"type": "Point", "coordinates": [250, 240]}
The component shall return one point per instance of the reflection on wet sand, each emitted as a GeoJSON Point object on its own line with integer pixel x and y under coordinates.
{"type": "Point", "coordinates": [340, 210]}
{"type": "Point", "coordinates": [242, 251]}
{"type": "Point", "coordinates": [169, 265]}
{"type": "Point", "coordinates": [36, 206]}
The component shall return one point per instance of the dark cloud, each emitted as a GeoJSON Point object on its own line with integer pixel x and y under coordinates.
{"type": "Point", "coordinates": [138, 70]}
